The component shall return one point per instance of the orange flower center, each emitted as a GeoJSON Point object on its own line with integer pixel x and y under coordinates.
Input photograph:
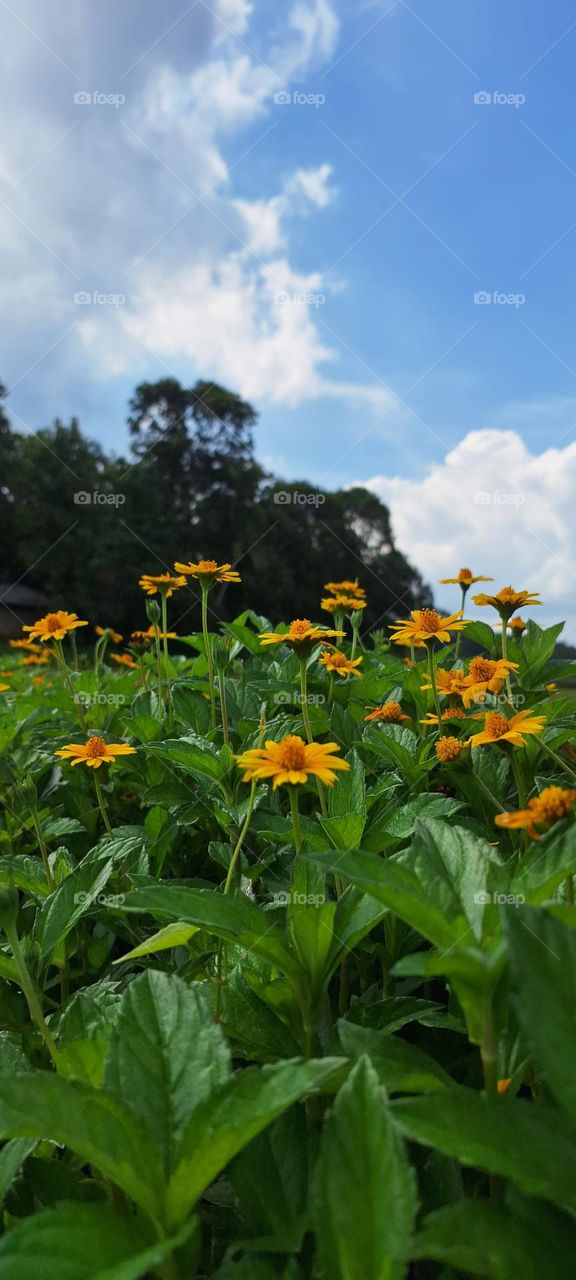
{"type": "Point", "coordinates": [454, 713]}
{"type": "Point", "coordinates": [482, 669]}
{"type": "Point", "coordinates": [207, 566]}
{"type": "Point", "coordinates": [448, 749]}
{"type": "Point", "coordinates": [338, 659]}
{"type": "Point", "coordinates": [299, 628]}
{"type": "Point", "coordinates": [507, 595]}
{"type": "Point", "coordinates": [465, 575]}
{"type": "Point", "coordinates": [554, 803]}
{"type": "Point", "coordinates": [496, 724]}
{"type": "Point", "coordinates": [517, 622]}
{"type": "Point", "coordinates": [53, 622]}
{"type": "Point", "coordinates": [390, 711]}
{"type": "Point", "coordinates": [292, 753]}
{"type": "Point", "coordinates": [95, 748]}
{"type": "Point", "coordinates": [429, 620]}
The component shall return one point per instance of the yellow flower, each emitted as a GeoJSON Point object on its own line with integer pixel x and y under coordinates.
{"type": "Point", "coordinates": [503, 1085]}
{"type": "Point", "coordinates": [551, 688]}
{"type": "Point", "coordinates": [125, 660]}
{"type": "Point", "coordinates": [517, 624]}
{"type": "Point", "coordinates": [4, 687]}
{"type": "Point", "coordinates": [292, 760]}
{"type": "Point", "coordinates": [94, 752]}
{"type": "Point", "coordinates": [389, 711]}
{"type": "Point", "coordinates": [507, 600]}
{"type": "Point", "coordinates": [426, 625]}
{"type": "Point", "coordinates": [301, 634]}
{"type": "Point", "coordinates": [407, 643]}
{"type": "Point", "coordinates": [550, 806]}
{"type": "Point", "coordinates": [54, 626]}
{"type": "Point", "coordinates": [485, 676]}
{"type": "Point", "coordinates": [345, 587]}
{"type": "Point", "coordinates": [145, 637]}
{"type": "Point", "coordinates": [497, 728]}
{"type": "Point", "coordinates": [208, 571]}
{"type": "Point", "coordinates": [451, 713]}
{"type": "Point", "coordinates": [115, 636]}
{"type": "Point", "coordinates": [448, 683]}
{"type": "Point", "coordinates": [465, 578]}
{"type": "Point", "coordinates": [165, 583]}
{"type": "Point", "coordinates": [35, 660]}
{"type": "Point", "coordinates": [338, 664]}
{"type": "Point", "coordinates": [25, 644]}
{"type": "Point", "coordinates": [342, 604]}
{"type": "Point", "coordinates": [448, 749]}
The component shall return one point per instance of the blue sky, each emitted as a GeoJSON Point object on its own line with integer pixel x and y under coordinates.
{"type": "Point", "coordinates": [320, 255]}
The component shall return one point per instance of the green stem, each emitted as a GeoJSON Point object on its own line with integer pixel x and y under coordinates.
{"type": "Point", "coordinates": [241, 837]}
{"type": "Point", "coordinates": [517, 771]}
{"type": "Point", "coordinates": [223, 707]}
{"type": "Point", "coordinates": [101, 804]}
{"type": "Point", "coordinates": [43, 849]}
{"type": "Point", "coordinates": [354, 641]}
{"type": "Point", "coordinates": [569, 884]}
{"type": "Point", "coordinates": [308, 727]}
{"type": "Point", "coordinates": [295, 815]}
{"type": "Point", "coordinates": [164, 605]}
{"type": "Point", "coordinates": [30, 992]}
{"type": "Point", "coordinates": [559, 760]}
{"type": "Point", "coordinates": [331, 685]}
{"type": "Point", "coordinates": [208, 651]}
{"type": "Point", "coordinates": [464, 590]}
{"type": "Point", "coordinates": [433, 683]}
{"type": "Point", "coordinates": [488, 792]}
{"type": "Point", "coordinates": [66, 675]}
{"type": "Point", "coordinates": [505, 654]}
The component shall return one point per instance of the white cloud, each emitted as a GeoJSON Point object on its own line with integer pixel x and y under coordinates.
{"type": "Point", "coordinates": [498, 508]}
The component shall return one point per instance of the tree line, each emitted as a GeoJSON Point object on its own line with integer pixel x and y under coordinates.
{"type": "Point", "coordinates": [81, 524]}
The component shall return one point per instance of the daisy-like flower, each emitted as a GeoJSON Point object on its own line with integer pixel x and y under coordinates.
{"type": "Point", "coordinates": [544, 810]}
{"type": "Point", "coordinates": [145, 637]}
{"type": "Point", "coordinates": [498, 728]}
{"type": "Point", "coordinates": [94, 752]}
{"type": "Point", "coordinates": [208, 571]}
{"type": "Point", "coordinates": [390, 711]}
{"type": "Point", "coordinates": [485, 676]}
{"type": "Point", "coordinates": [426, 625]}
{"type": "Point", "coordinates": [164, 583]}
{"type": "Point", "coordinates": [343, 604]}
{"type": "Point", "coordinates": [28, 645]}
{"type": "Point", "coordinates": [115, 636]}
{"type": "Point", "coordinates": [517, 625]}
{"type": "Point", "coordinates": [125, 660]}
{"type": "Point", "coordinates": [448, 683]}
{"type": "Point", "coordinates": [451, 713]}
{"type": "Point", "coordinates": [301, 635]}
{"type": "Point", "coordinates": [292, 760]}
{"type": "Point", "coordinates": [449, 749]}
{"type": "Point", "coordinates": [507, 600]}
{"type": "Point", "coordinates": [464, 579]}
{"type": "Point", "coordinates": [338, 664]}
{"type": "Point", "coordinates": [54, 626]}
{"type": "Point", "coordinates": [345, 588]}
{"type": "Point", "coordinates": [4, 687]}
{"type": "Point", "coordinates": [35, 660]}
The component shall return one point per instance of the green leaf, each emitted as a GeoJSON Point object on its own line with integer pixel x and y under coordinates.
{"type": "Point", "coordinates": [481, 634]}
{"type": "Point", "coordinates": [166, 1056]}
{"type": "Point", "coordinates": [95, 1126]}
{"type": "Point", "coordinates": [176, 934]}
{"type": "Point", "coordinates": [401, 1067]}
{"type": "Point", "coordinates": [257, 1033]}
{"type": "Point", "coordinates": [69, 902]}
{"type": "Point", "coordinates": [227, 1121]}
{"type": "Point", "coordinates": [191, 753]}
{"type": "Point", "coordinates": [310, 921]}
{"type": "Point", "coordinates": [365, 1191]}
{"type": "Point", "coordinates": [545, 865]}
{"type": "Point", "coordinates": [402, 822]}
{"type": "Point", "coordinates": [543, 967]}
{"type": "Point", "coordinates": [270, 1176]}
{"type": "Point", "coordinates": [488, 1239]}
{"type": "Point", "coordinates": [344, 832]}
{"type": "Point", "coordinates": [84, 1032]}
{"type": "Point", "coordinates": [12, 1157]}
{"type": "Point", "coordinates": [532, 1145]}
{"type": "Point", "coordinates": [81, 1242]}
{"type": "Point", "coordinates": [350, 794]}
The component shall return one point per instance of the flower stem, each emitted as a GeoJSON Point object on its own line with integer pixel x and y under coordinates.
{"type": "Point", "coordinates": [208, 651]}
{"type": "Point", "coordinates": [505, 655]}
{"type": "Point", "coordinates": [464, 590]}
{"type": "Point", "coordinates": [43, 848]}
{"type": "Point", "coordinates": [517, 771]}
{"type": "Point", "coordinates": [164, 605]}
{"type": "Point", "coordinates": [308, 727]}
{"type": "Point", "coordinates": [101, 804]}
{"type": "Point", "coordinates": [30, 992]}
{"type": "Point", "coordinates": [221, 952]}
{"type": "Point", "coordinates": [295, 815]}
{"type": "Point", "coordinates": [559, 760]}
{"type": "Point", "coordinates": [433, 683]}
{"type": "Point", "coordinates": [66, 675]}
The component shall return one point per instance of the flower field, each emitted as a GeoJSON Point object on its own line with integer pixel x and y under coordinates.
{"type": "Point", "coordinates": [288, 942]}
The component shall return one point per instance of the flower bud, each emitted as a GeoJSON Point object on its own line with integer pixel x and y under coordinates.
{"type": "Point", "coordinates": [153, 612]}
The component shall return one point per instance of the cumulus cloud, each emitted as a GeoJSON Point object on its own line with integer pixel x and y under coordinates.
{"type": "Point", "coordinates": [496, 507]}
